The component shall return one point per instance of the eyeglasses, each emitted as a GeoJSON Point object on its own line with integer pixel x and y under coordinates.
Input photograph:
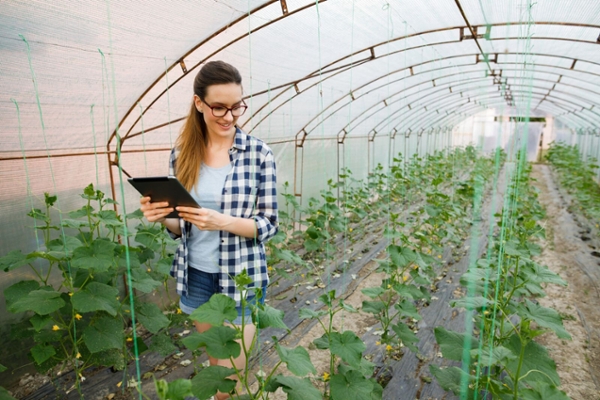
{"type": "Point", "coordinates": [221, 111]}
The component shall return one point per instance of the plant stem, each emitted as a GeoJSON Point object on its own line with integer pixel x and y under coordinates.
{"type": "Point", "coordinates": [521, 356]}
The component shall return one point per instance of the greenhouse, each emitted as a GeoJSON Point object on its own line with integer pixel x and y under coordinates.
{"type": "Point", "coordinates": [300, 199]}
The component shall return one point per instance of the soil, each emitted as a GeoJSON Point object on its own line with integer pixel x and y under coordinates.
{"type": "Point", "coordinates": [565, 253]}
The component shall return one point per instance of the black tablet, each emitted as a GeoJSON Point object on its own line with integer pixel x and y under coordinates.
{"type": "Point", "coordinates": [164, 188]}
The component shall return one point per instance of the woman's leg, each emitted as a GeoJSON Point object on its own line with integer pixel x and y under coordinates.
{"type": "Point", "coordinates": [239, 362]}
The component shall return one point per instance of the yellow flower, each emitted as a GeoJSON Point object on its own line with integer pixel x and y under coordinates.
{"type": "Point", "coordinates": [405, 278]}
{"type": "Point", "coordinates": [270, 268]}
{"type": "Point", "coordinates": [439, 256]}
{"type": "Point", "coordinates": [78, 355]}
{"type": "Point", "coordinates": [325, 376]}
{"type": "Point", "coordinates": [377, 343]}
{"type": "Point", "coordinates": [350, 229]}
{"type": "Point", "coordinates": [389, 286]}
{"type": "Point", "coordinates": [179, 310]}
{"type": "Point", "coordinates": [78, 316]}
{"type": "Point", "coordinates": [149, 270]}
{"type": "Point", "coordinates": [388, 347]}
{"type": "Point", "coordinates": [71, 294]}
{"type": "Point", "coordinates": [56, 328]}
{"type": "Point", "coordinates": [130, 339]}
{"type": "Point", "coordinates": [302, 275]}
{"type": "Point", "coordinates": [416, 266]}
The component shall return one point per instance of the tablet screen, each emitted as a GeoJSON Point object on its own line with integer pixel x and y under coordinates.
{"type": "Point", "coordinates": [164, 188]}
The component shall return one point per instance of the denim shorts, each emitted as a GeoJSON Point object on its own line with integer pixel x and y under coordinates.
{"type": "Point", "coordinates": [202, 285]}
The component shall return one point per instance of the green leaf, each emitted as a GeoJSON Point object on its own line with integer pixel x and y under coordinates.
{"type": "Point", "coordinates": [409, 291]}
{"type": "Point", "coordinates": [348, 346]}
{"type": "Point", "coordinates": [18, 291]}
{"type": "Point", "coordinates": [179, 389]}
{"type": "Point", "coordinates": [65, 245]}
{"type": "Point", "coordinates": [52, 256]}
{"type": "Point", "coordinates": [123, 259]}
{"type": "Point", "coordinates": [295, 388]}
{"type": "Point", "coordinates": [536, 363]}
{"type": "Point", "coordinates": [143, 282]}
{"type": "Point", "coordinates": [313, 232]}
{"type": "Point", "coordinates": [541, 274]}
{"type": "Point", "coordinates": [149, 315]}
{"type": "Point", "coordinates": [220, 342]}
{"type": "Point", "coordinates": [373, 307]}
{"type": "Point", "coordinates": [545, 317]}
{"type": "Point", "coordinates": [407, 309]}
{"type": "Point", "coordinates": [36, 213]}
{"type": "Point", "coordinates": [13, 260]}
{"type": "Point", "coordinates": [350, 386]}
{"type": "Point", "coordinates": [164, 266]}
{"type": "Point", "coordinates": [451, 378]}
{"type": "Point", "coordinates": [432, 211]}
{"type": "Point", "coordinates": [137, 214]}
{"type": "Point", "coordinates": [373, 292]}
{"type": "Point", "coordinates": [212, 379]}
{"type": "Point", "coordinates": [452, 343]}
{"type": "Point", "coordinates": [542, 391]}
{"type": "Point", "coordinates": [109, 218]}
{"type": "Point", "coordinates": [472, 303]}
{"type": "Point", "coordinates": [242, 279]}
{"type": "Point", "coordinates": [297, 360]}
{"type": "Point", "coordinates": [307, 313]}
{"type": "Point", "coordinates": [408, 337]}
{"type": "Point", "coordinates": [42, 302]}
{"type": "Point", "coordinates": [498, 354]}
{"type": "Point", "coordinates": [96, 297]}
{"type": "Point", "coordinates": [73, 223]}
{"type": "Point", "coordinates": [99, 256]}
{"type": "Point", "coordinates": [82, 212]}
{"type": "Point", "coordinates": [4, 394]}
{"type": "Point", "coordinates": [149, 236]}
{"type": "Point", "coordinates": [41, 353]}
{"type": "Point", "coordinates": [322, 343]}
{"type": "Point", "coordinates": [38, 322]}
{"type": "Point", "coordinates": [162, 344]}
{"type": "Point", "coordinates": [270, 317]}
{"type": "Point", "coordinates": [2, 368]}
{"type": "Point", "coordinates": [103, 334]}
{"type": "Point", "coordinates": [216, 311]}
{"type": "Point", "coordinates": [401, 256]}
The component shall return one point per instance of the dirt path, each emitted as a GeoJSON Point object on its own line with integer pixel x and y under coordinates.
{"type": "Point", "coordinates": [578, 361]}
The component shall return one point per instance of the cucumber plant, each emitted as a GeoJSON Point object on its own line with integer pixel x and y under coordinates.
{"type": "Point", "coordinates": [77, 311]}
{"type": "Point", "coordinates": [499, 358]}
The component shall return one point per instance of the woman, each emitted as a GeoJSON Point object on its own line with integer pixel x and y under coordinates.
{"type": "Point", "coordinates": [232, 177]}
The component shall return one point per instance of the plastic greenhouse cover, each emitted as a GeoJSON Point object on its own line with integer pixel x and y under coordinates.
{"type": "Point", "coordinates": [93, 62]}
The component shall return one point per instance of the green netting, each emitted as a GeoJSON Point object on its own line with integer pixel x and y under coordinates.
{"type": "Point", "coordinates": [363, 85]}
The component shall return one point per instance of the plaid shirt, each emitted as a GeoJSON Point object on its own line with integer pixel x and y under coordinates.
{"type": "Point", "coordinates": [249, 192]}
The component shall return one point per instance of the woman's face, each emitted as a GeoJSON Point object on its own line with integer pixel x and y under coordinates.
{"type": "Point", "coordinates": [218, 96]}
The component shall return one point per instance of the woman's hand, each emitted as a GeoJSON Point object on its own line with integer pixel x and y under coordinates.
{"type": "Point", "coordinates": [205, 219]}
{"type": "Point", "coordinates": [155, 212]}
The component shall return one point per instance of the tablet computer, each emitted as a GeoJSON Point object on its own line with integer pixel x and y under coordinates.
{"type": "Point", "coordinates": [164, 188]}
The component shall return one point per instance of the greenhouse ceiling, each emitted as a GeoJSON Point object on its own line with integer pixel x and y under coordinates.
{"type": "Point", "coordinates": [73, 71]}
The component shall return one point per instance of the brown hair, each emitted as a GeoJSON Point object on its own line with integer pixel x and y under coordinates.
{"type": "Point", "coordinates": [193, 139]}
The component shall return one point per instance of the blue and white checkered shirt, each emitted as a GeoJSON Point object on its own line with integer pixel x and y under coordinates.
{"type": "Point", "coordinates": [249, 192]}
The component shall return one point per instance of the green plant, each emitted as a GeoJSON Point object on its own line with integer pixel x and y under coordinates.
{"type": "Point", "coordinates": [578, 177]}
{"type": "Point", "coordinates": [226, 342]}
{"type": "Point", "coordinates": [77, 307]}
{"type": "Point", "coordinates": [501, 359]}
{"type": "Point", "coordinates": [349, 373]}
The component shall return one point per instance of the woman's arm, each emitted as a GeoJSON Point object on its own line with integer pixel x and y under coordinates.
{"type": "Point", "coordinates": [210, 220]}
